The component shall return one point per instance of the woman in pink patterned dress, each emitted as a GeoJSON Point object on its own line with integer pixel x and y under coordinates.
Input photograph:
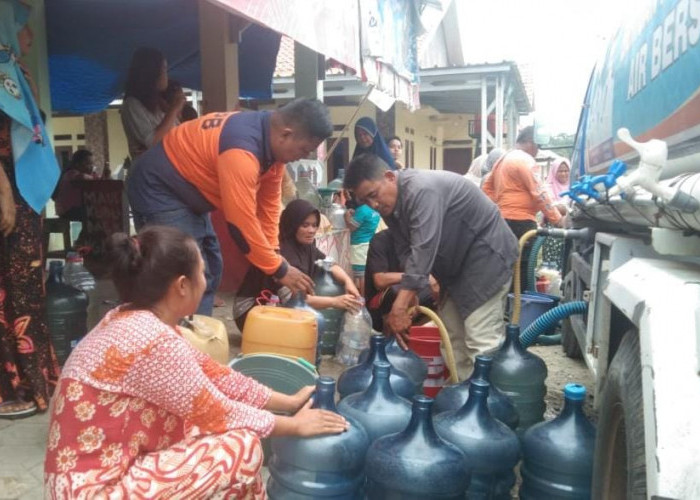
{"type": "Point", "coordinates": [139, 413]}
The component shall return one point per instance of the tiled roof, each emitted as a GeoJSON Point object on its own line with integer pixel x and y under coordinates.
{"type": "Point", "coordinates": [528, 78]}
{"type": "Point", "coordinates": [285, 61]}
{"type": "Point", "coordinates": [285, 58]}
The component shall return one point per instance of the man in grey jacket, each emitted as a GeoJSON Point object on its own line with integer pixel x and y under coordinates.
{"type": "Point", "coordinates": [445, 226]}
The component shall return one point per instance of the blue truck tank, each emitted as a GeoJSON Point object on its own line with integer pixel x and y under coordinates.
{"type": "Point", "coordinates": [648, 81]}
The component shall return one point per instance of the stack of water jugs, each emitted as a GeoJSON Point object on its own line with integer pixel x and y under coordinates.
{"type": "Point", "coordinates": [67, 289]}
{"type": "Point", "coordinates": [466, 442]}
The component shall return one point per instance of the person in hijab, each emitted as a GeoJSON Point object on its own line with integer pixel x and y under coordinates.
{"type": "Point", "coordinates": [28, 175]}
{"type": "Point", "coordinates": [299, 223]}
{"type": "Point", "coordinates": [298, 226]}
{"type": "Point", "coordinates": [558, 179]}
{"type": "Point", "coordinates": [370, 141]}
{"type": "Point", "coordinates": [557, 183]}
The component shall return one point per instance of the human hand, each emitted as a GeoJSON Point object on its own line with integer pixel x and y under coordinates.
{"type": "Point", "coordinates": [8, 213]}
{"type": "Point", "coordinates": [349, 214]}
{"type": "Point", "coordinates": [398, 323]}
{"type": "Point", "coordinates": [301, 397]}
{"type": "Point", "coordinates": [348, 302]}
{"type": "Point", "coordinates": [434, 287]}
{"type": "Point", "coordinates": [297, 281]}
{"type": "Point", "coordinates": [178, 101]}
{"type": "Point", "coordinates": [313, 422]}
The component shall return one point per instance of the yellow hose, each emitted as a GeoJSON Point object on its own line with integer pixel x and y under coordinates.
{"type": "Point", "coordinates": [449, 354]}
{"type": "Point", "coordinates": [515, 316]}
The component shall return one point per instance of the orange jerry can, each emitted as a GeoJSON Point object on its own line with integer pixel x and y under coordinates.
{"type": "Point", "coordinates": [278, 330]}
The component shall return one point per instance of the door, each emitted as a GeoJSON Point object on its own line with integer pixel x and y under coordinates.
{"type": "Point", "coordinates": [339, 158]}
{"type": "Point", "coordinates": [456, 159]}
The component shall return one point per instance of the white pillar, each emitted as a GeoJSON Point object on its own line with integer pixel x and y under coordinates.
{"type": "Point", "coordinates": [499, 112]}
{"type": "Point", "coordinates": [484, 116]}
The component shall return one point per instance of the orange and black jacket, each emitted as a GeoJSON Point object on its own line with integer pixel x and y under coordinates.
{"type": "Point", "coordinates": [226, 157]}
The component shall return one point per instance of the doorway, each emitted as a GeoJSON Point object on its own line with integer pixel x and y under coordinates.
{"type": "Point", "coordinates": [456, 160]}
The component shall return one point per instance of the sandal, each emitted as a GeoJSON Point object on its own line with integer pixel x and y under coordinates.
{"type": "Point", "coordinates": [17, 409]}
{"type": "Point", "coordinates": [219, 302]}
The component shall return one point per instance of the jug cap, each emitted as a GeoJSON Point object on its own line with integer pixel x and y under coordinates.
{"type": "Point", "coordinates": [574, 392]}
{"type": "Point", "coordinates": [512, 330]}
{"type": "Point", "coordinates": [381, 367]}
{"type": "Point", "coordinates": [483, 359]}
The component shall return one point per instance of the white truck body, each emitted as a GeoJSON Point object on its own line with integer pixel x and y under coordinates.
{"type": "Point", "coordinates": [640, 270]}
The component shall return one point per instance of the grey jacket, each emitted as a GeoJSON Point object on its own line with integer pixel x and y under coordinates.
{"type": "Point", "coordinates": [445, 225]}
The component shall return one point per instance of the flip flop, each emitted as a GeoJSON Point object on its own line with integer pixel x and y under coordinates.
{"type": "Point", "coordinates": [219, 302]}
{"type": "Point", "coordinates": [17, 409]}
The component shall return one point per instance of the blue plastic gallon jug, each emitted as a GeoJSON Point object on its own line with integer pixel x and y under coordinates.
{"type": "Point", "coordinates": [558, 455]}
{"type": "Point", "coordinates": [454, 396]}
{"type": "Point", "coordinates": [378, 408]}
{"type": "Point", "coordinates": [328, 466]}
{"type": "Point", "coordinates": [491, 448]}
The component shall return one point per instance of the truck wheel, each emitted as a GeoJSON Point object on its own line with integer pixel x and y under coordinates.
{"type": "Point", "coordinates": [619, 467]}
{"type": "Point", "coordinates": [569, 343]}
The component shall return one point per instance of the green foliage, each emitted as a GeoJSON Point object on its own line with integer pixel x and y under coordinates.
{"type": "Point", "coordinates": [562, 144]}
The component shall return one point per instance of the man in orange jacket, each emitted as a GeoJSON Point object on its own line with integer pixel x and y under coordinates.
{"type": "Point", "coordinates": [519, 194]}
{"type": "Point", "coordinates": [234, 162]}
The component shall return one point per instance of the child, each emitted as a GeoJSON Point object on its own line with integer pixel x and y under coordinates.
{"type": "Point", "coordinates": [362, 222]}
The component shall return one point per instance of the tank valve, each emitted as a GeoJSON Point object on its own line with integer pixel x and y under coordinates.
{"type": "Point", "coordinates": [652, 159]}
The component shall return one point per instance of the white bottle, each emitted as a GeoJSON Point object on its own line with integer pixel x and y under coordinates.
{"type": "Point", "coordinates": [75, 274]}
{"type": "Point", "coordinates": [357, 329]}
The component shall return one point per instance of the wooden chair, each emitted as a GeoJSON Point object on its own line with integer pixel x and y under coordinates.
{"type": "Point", "coordinates": [60, 226]}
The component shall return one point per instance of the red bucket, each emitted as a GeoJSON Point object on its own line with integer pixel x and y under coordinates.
{"type": "Point", "coordinates": [425, 341]}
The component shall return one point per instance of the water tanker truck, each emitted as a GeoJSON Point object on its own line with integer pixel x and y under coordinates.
{"type": "Point", "coordinates": [633, 253]}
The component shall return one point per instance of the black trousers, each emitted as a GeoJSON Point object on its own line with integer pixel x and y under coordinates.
{"type": "Point", "coordinates": [520, 227]}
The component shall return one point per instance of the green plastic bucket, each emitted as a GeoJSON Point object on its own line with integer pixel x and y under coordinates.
{"type": "Point", "coordinates": [282, 374]}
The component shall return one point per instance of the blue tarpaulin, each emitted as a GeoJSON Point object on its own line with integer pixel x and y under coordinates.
{"type": "Point", "coordinates": [90, 43]}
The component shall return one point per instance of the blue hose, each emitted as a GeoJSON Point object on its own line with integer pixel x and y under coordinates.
{"type": "Point", "coordinates": [549, 319]}
{"type": "Point", "coordinates": [532, 263]}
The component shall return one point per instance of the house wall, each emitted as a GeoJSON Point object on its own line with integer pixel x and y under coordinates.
{"type": "Point", "coordinates": [75, 127]}
{"type": "Point", "coordinates": [72, 126]}
{"type": "Point", "coordinates": [429, 130]}
{"type": "Point", "coordinates": [426, 128]}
